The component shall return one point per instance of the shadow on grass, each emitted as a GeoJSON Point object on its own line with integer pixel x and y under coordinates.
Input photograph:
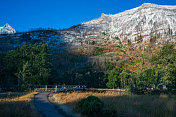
{"type": "Point", "coordinates": [17, 109]}
{"type": "Point", "coordinates": [131, 105]}
{"type": "Point", "coordinates": [142, 105]}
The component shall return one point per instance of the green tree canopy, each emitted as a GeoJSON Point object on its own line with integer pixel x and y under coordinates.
{"type": "Point", "coordinates": [29, 64]}
{"type": "Point", "coordinates": [165, 60]}
{"type": "Point", "coordinates": [125, 78]}
{"type": "Point", "coordinates": [113, 78]}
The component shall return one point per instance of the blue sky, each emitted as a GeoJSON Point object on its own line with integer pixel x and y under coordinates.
{"type": "Point", "coordinates": [26, 14]}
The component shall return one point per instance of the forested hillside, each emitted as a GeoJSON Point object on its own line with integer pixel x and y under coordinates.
{"type": "Point", "coordinates": [133, 50]}
{"type": "Point", "coordinates": [101, 66]}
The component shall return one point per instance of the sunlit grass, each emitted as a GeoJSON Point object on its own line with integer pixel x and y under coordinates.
{"type": "Point", "coordinates": [126, 105]}
{"type": "Point", "coordinates": [18, 106]}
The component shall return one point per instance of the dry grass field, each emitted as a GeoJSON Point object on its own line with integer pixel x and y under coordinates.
{"type": "Point", "coordinates": [16, 105]}
{"type": "Point", "coordinates": [125, 105]}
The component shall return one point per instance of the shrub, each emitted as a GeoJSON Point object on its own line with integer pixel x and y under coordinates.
{"type": "Point", "coordinates": [89, 106]}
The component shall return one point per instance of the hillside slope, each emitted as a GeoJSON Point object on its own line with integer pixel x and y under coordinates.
{"type": "Point", "coordinates": [136, 25]}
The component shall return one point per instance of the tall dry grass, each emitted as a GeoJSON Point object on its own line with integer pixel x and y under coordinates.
{"type": "Point", "coordinates": [18, 106]}
{"type": "Point", "coordinates": [126, 105]}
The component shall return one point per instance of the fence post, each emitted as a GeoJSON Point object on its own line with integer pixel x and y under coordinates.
{"type": "Point", "coordinates": [120, 91]}
{"type": "Point", "coordinates": [56, 89]}
{"type": "Point", "coordinates": [45, 87]}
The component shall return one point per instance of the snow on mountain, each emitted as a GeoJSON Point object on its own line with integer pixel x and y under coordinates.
{"type": "Point", "coordinates": [7, 29]}
{"type": "Point", "coordinates": [145, 21]}
{"type": "Point", "coordinates": [13, 41]}
{"type": "Point", "coordinates": [144, 24]}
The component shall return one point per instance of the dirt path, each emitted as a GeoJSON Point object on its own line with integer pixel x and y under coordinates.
{"type": "Point", "coordinates": [43, 105]}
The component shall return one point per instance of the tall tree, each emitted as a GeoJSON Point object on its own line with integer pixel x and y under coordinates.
{"type": "Point", "coordinates": [113, 78]}
{"type": "Point", "coordinates": [31, 64]}
{"type": "Point", "coordinates": [165, 59]}
{"type": "Point", "coordinates": [125, 78]}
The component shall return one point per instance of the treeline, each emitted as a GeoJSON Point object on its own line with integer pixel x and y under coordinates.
{"type": "Point", "coordinates": [160, 76]}
{"type": "Point", "coordinates": [35, 64]}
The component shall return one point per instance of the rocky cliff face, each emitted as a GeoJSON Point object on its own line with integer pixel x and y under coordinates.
{"type": "Point", "coordinates": [135, 25]}
{"type": "Point", "coordinates": [7, 29]}
{"type": "Point", "coordinates": [147, 23]}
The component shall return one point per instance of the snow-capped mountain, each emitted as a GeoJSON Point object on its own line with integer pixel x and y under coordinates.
{"type": "Point", "coordinates": [7, 29]}
{"type": "Point", "coordinates": [144, 24]}
{"type": "Point", "coordinates": [138, 24]}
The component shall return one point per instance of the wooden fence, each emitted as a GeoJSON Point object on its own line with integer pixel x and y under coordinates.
{"type": "Point", "coordinates": [59, 88]}
{"type": "Point", "coordinates": [53, 88]}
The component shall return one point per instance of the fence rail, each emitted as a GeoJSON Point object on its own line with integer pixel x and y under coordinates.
{"type": "Point", "coordinates": [59, 88]}
{"type": "Point", "coordinates": [54, 88]}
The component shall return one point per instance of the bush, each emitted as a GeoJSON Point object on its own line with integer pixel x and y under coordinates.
{"type": "Point", "coordinates": [90, 106]}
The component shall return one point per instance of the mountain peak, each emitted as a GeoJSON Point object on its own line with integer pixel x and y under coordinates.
{"type": "Point", "coordinates": [7, 29]}
{"type": "Point", "coordinates": [147, 4]}
{"type": "Point", "coordinates": [102, 14]}
{"type": "Point", "coordinates": [150, 5]}
{"type": "Point", "coordinates": [7, 25]}
{"type": "Point", "coordinates": [144, 21]}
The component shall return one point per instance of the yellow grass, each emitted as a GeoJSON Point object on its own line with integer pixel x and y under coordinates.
{"type": "Point", "coordinates": [114, 90]}
{"type": "Point", "coordinates": [20, 106]}
{"type": "Point", "coordinates": [126, 105]}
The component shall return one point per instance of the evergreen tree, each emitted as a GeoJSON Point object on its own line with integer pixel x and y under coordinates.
{"type": "Point", "coordinates": [30, 64]}
{"type": "Point", "coordinates": [113, 78]}
{"type": "Point", "coordinates": [124, 78]}
{"type": "Point", "coordinates": [165, 60]}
